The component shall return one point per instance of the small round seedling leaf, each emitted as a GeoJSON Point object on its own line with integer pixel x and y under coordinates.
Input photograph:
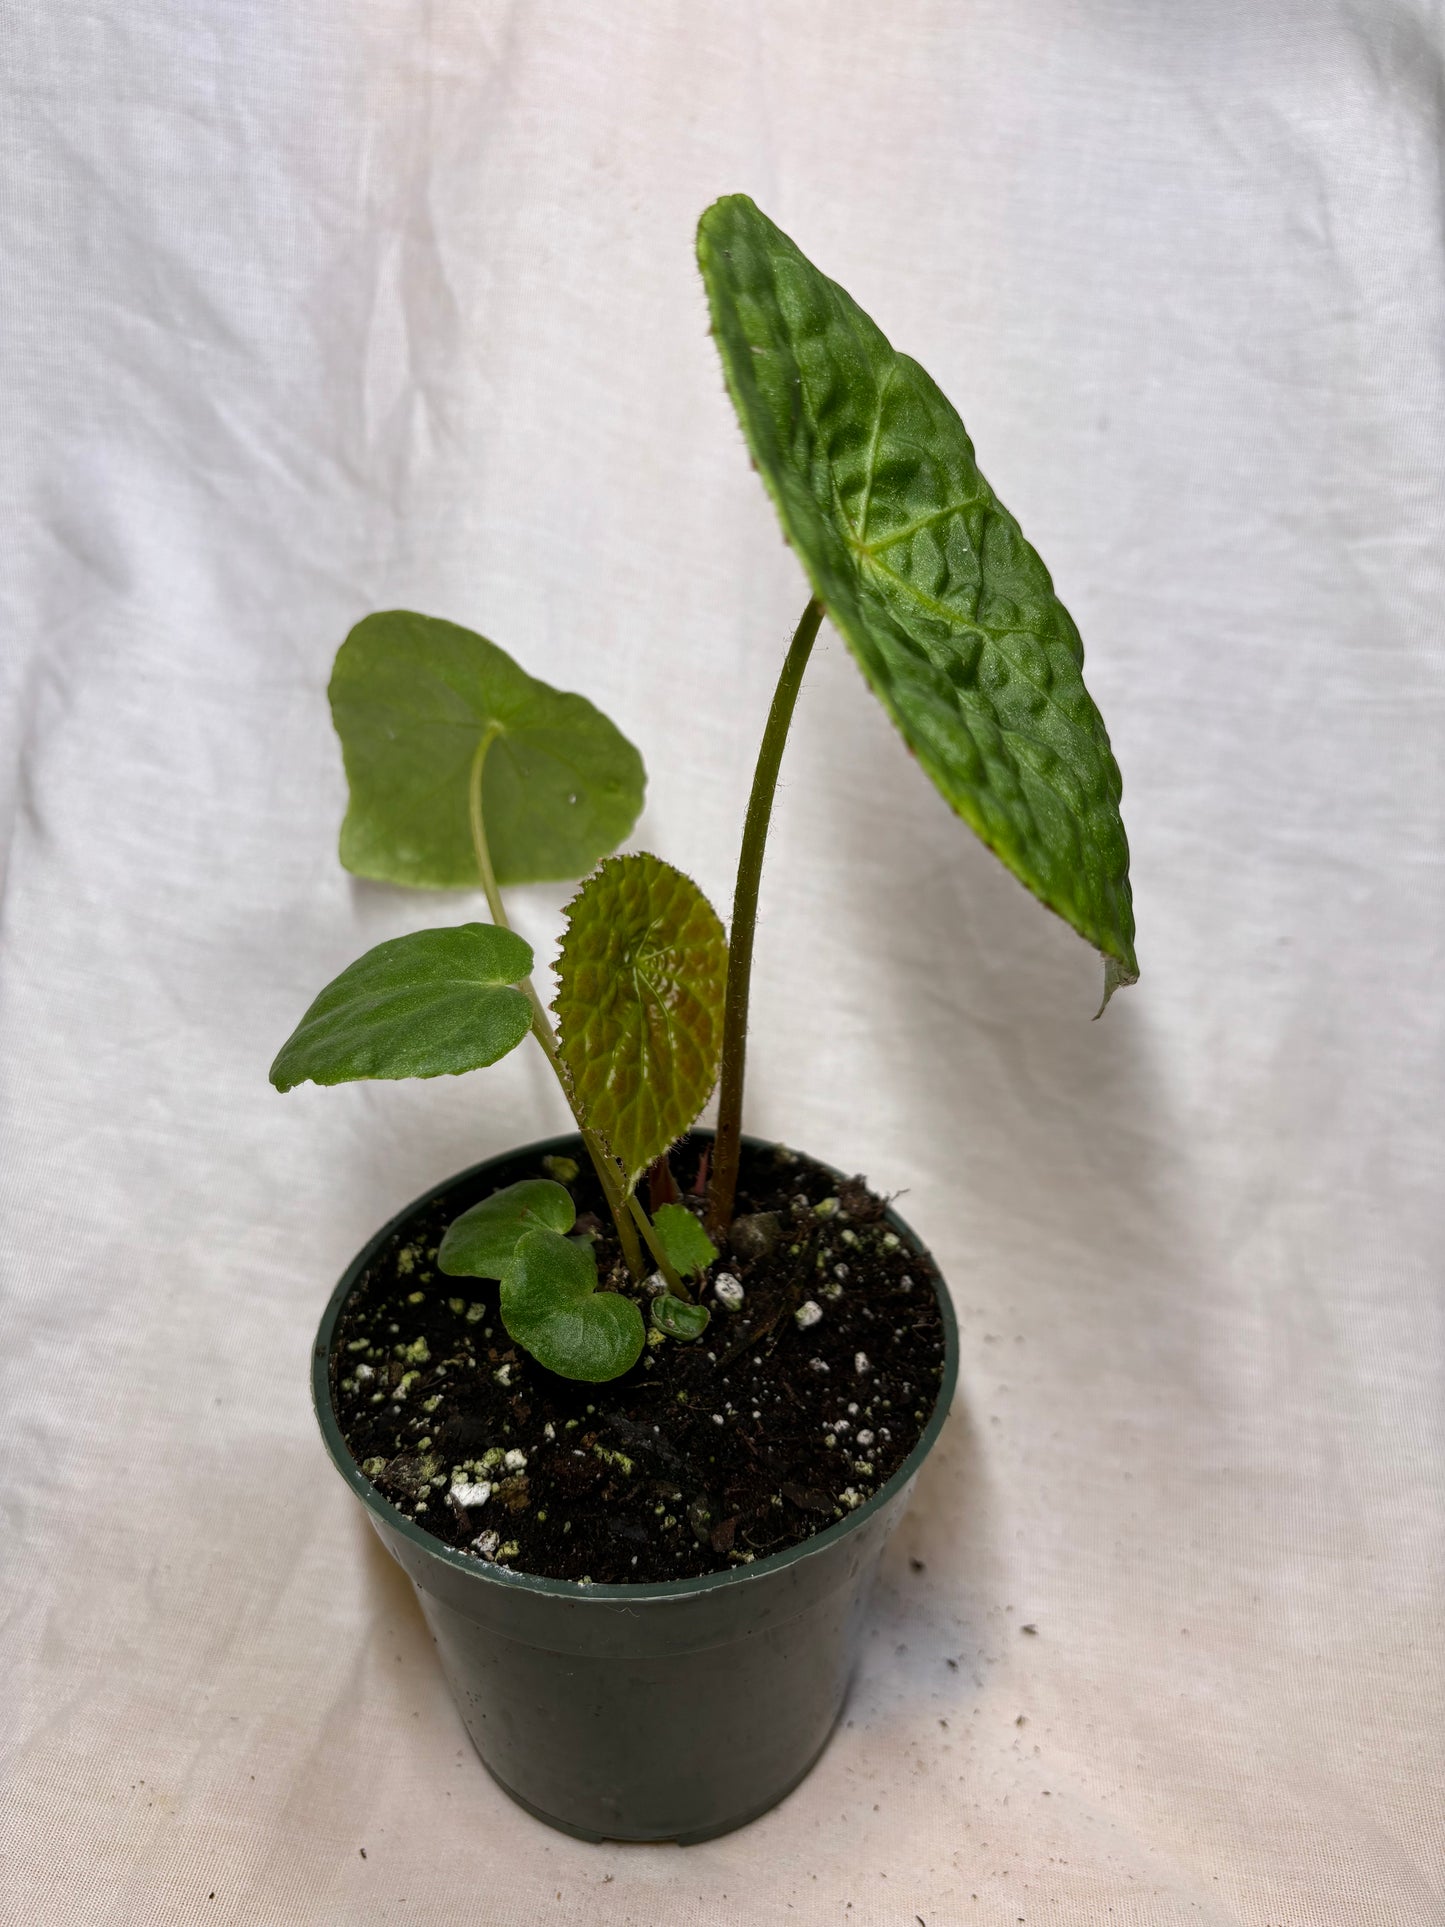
{"type": "Point", "coordinates": [481, 1242]}
{"type": "Point", "coordinates": [552, 1308]}
{"type": "Point", "coordinates": [414, 701]}
{"type": "Point", "coordinates": [949, 612]}
{"type": "Point", "coordinates": [678, 1318]}
{"type": "Point", "coordinates": [688, 1247]}
{"type": "Point", "coordinates": [435, 1003]}
{"type": "Point", "coordinates": [640, 985]}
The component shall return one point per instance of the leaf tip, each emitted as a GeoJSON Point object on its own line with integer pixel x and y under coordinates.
{"type": "Point", "coordinates": [1116, 977]}
{"type": "Point", "coordinates": [278, 1076]}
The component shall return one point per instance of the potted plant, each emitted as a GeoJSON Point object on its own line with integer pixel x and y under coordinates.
{"type": "Point", "coordinates": [636, 1409]}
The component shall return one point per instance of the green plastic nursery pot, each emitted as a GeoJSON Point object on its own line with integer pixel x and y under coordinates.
{"type": "Point", "coordinates": [657, 1711]}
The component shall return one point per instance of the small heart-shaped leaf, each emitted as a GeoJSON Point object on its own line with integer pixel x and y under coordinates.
{"type": "Point", "coordinates": [414, 701]}
{"type": "Point", "coordinates": [640, 985]}
{"type": "Point", "coordinates": [688, 1247]}
{"type": "Point", "coordinates": [480, 1243]}
{"type": "Point", "coordinates": [552, 1308]}
{"type": "Point", "coordinates": [950, 614]}
{"type": "Point", "coordinates": [677, 1317]}
{"type": "Point", "coordinates": [432, 1004]}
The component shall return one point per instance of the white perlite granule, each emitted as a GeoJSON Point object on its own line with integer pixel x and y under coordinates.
{"type": "Point", "coordinates": [808, 1313]}
{"type": "Point", "coordinates": [466, 1494]}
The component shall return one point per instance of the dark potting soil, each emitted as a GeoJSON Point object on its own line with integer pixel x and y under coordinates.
{"type": "Point", "coordinates": [790, 1410]}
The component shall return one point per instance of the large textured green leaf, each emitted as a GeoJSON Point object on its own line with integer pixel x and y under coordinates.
{"type": "Point", "coordinates": [434, 1003]}
{"type": "Point", "coordinates": [949, 612]}
{"type": "Point", "coordinates": [481, 1242]}
{"type": "Point", "coordinates": [640, 986]}
{"type": "Point", "coordinates": [414, 700]}
{"type": "Point", "coordinates": [552, 1308]}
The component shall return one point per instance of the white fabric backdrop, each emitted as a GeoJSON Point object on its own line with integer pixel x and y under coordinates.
{"type": "Point", "coordinates": [312, 310]}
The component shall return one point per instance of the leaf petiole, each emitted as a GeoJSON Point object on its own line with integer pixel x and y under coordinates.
{"type": "Point", "coordinates": [608, 1175]}
{"type": "Point", "coordinates": [728, 1144]}
{"type": "Point", "coordinates": [654, 1245]}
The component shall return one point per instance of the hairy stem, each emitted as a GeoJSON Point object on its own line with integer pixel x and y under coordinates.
{"type": "Point", "coordinates": [608, 1175]}
{"type": "Point", "coordinates": [728, 1146]}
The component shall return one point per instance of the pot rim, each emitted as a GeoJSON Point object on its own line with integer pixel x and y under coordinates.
{"type": "Point", "coordinates": [643, 1591]}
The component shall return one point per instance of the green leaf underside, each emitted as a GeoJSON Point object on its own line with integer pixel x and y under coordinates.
{"type": "Point", "coordinates": [413, 698]}
{"type": "Point", "coordinates": [640, 984]}
{"type": "Point", "coordinates": [677, 1318]}
{"type": "Point", "coordinates": [688, 1247]}
{"type": "Point", "coordinates": [552, 1308]}
{"type": "Point", "coordinates": [949, 612]}
{"type": "Point", "coordinates": [481, 1242]}
{"type": "Point", "coordinates": [432, 1004]}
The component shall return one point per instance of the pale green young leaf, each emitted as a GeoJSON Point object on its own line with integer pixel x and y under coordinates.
{"type": "Point", "coordinates": [552, 1308]}
{"type": "Point", "coordinates": [640, 985]}
{"type": "Point", "coordinates": [480, 1243]}
{"type": "Point", "coordinates": [688, 1247]}
{"type": "Point", "coordinates": [435, 1003]}
{"type": "Point", "coordinates": [677, 1318]}
{"type": "Point", "coordinates": [415, 700]}
{"type": "Point", "coordinates": [950, 613]}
